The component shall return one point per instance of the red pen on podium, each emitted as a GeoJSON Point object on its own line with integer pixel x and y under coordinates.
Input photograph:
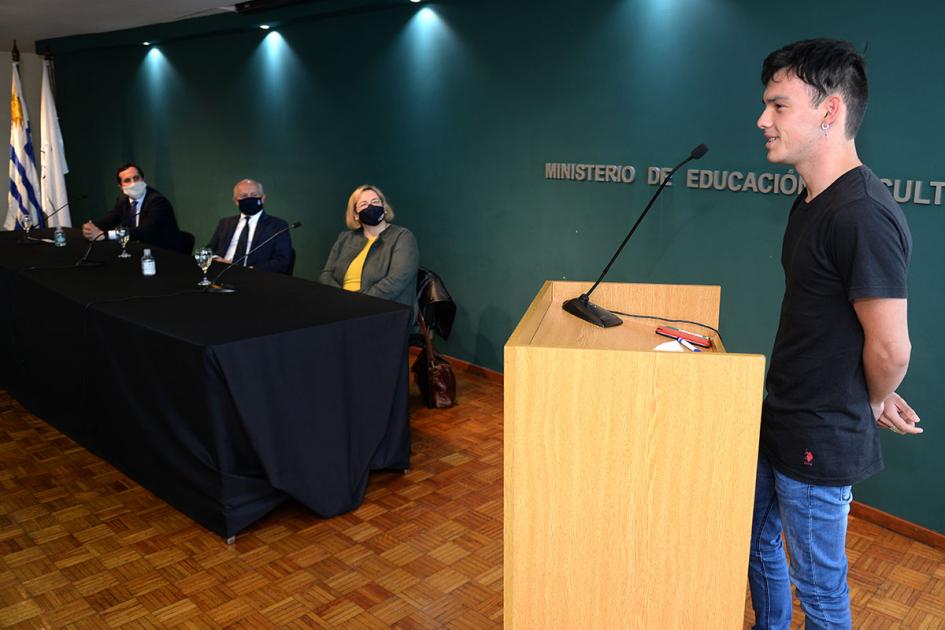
{"type": "Point", "coordinates": [684, 335]}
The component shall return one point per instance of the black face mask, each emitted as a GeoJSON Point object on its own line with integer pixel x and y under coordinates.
{"type": "Point", "coordinates": [372, 215]}
{"type": "Point", "coordinates": [250, 205]}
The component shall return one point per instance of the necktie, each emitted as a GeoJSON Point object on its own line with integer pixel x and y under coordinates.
{"type": "Point", "coordinates": [242, 245]}
{"type": "Point", "coordinates": [134, 213]}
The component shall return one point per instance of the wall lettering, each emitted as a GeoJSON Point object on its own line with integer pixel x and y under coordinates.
{"type": "Point", "coordinates": [904, 191]}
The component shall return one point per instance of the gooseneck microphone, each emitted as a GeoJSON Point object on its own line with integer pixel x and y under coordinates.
{"type": "Point", "coordinates": [223, 288]}
{"type": "Point", "coordinates": [57, 210]}
{"type": "Point", "coordinates": [581, 306]}
{"type": "Point", "coordinates": [84, 261]}
{"type": "Point", "coordinates": [29, 240]}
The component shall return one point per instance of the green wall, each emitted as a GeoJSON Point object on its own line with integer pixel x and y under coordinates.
{"type": "Point", "coordinates": [453, 108]}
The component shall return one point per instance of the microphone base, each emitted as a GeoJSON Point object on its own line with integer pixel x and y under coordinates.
{"type": "Point", "coordinates": [220, 288]}
{"type": "Point", "coordinates": [88, 263]}
{"type": "Point", "coordinates": [588, 311]}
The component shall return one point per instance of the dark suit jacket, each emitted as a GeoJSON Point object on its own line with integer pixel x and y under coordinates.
{"type": "Point", "coordinates": [274, 256]}
{"type": "Point", "coordinates": [390, 269]}
{"type": "Point", "coordinates": [157, 224]}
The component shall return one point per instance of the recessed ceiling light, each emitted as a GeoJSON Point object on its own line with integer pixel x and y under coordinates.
{"type": "Point", "coordinates": [146, 43]}
{"type": "Point", "coordinates": [265, 27]}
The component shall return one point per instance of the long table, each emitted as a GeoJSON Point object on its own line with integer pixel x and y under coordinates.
{"type": "Point", "coordinates": [223, 405]}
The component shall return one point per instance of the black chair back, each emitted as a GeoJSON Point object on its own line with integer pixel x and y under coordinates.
{"type": "Point", "coordinates": [435, 302]}
{"type": "Point", "coordinates": [185, 242]}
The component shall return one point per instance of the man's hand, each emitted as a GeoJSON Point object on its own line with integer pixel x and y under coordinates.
{"type": "Point", "coordinates": [897, 416]}
{"type": "Point", "coordinates": [91, 231]}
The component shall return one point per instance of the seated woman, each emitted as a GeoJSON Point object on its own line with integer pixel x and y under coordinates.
{"type": "Point", "coordinates": [374, 256]}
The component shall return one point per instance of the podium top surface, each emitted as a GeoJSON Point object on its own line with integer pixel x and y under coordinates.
{"type": "Point", "coordinates": [547, 324]}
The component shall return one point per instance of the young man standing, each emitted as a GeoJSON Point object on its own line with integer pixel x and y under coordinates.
{"type": "Point", "coordinates": [842, 346]}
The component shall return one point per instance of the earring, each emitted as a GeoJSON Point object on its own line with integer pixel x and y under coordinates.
{"type": "Point", "coordinates": [825, 127]}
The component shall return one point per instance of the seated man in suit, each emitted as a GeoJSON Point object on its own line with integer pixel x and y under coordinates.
{"type": "Point", "coordinates": [147, 214]}
{"type": "Point", "coordinates": [237, 235]}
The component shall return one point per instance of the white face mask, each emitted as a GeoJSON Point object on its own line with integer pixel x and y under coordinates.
{"type": "Point", "coordinates": [135, 191]}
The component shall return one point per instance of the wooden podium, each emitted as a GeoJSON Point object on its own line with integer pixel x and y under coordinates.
{"type": "Point", "coordinates": [629, 472]}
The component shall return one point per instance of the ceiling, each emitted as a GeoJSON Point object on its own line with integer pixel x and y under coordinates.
{"type": "Point", "coordinates": [27, 21]}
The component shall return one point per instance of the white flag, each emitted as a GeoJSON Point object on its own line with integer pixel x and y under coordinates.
{"type": "Point", "coordinates": [24, 191]}
{"type": "Point", "coordinates": [55, 201]}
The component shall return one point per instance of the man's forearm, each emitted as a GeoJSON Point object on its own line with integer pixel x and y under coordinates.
{"type": "Point", "coordinates": [885, 366]}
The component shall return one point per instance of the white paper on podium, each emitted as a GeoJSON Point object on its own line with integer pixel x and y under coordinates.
{"type": "Point", "coordinates": [670, 346]}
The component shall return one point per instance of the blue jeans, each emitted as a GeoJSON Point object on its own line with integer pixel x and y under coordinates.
{"type": "Point", "coordinates": [814, 520]}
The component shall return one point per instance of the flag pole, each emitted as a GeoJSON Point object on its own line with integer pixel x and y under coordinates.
{"type": "Point", "coordinates": [47, 56]}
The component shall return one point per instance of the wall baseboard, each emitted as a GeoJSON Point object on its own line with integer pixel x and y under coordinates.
{"type": "Point", "coordinates": [857, 509]}
{"type": "Point", "coordinates": [466, 366]}
{"type": "Point", "coordinates": [898, 525]}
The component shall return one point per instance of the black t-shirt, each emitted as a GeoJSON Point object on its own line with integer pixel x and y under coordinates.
{"type": "Point", "coordinates": [849, 242]}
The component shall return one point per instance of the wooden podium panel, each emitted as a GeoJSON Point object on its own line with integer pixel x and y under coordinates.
{"type": "Point", "coordinates": [629, 473]}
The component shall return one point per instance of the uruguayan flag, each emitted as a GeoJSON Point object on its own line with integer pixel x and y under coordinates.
{"type": "Point", "coordinates": [24, 185]}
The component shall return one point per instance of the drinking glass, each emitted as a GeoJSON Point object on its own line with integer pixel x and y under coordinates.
{"type": "Point", "coordinates": [121, 232]}
{"type": "Point", "coordinates": [204, 257]}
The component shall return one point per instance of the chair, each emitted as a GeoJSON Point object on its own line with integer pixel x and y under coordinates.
{"type": "Point", "coordinates": [432, 372]}
{"type": "Point", "coordinates": [185, 242]}
{"type": "Point", "coordinates": [435, 302]}
{"type": "Point", "coordinates": [291, 263]}
{"type": "Point", "coordinates": [436, 305]}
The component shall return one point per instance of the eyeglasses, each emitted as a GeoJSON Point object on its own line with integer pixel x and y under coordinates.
{"type": "Point", "coordinates": [364, 204]}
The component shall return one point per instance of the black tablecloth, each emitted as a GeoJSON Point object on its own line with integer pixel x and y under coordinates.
{"type": "Point", "coordinates": [221, 404]}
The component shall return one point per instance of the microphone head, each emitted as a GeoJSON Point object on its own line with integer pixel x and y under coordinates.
{"type": "Point", "coordinates": [296, 224]}
{"type": "Point", "coordinates": [699, 151]}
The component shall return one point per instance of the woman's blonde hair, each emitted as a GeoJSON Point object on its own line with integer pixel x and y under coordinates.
{"type": "Point", "coordinates": [351, 214]}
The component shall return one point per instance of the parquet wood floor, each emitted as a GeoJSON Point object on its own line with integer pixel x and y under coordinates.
{"type": "Point", "coordinates": [83, 546]}
{"type": "Point", "coordinates": [895, 582]}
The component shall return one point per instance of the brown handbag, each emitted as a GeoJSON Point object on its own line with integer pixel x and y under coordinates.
{"type": "Point", "coordinates": [433, 373]}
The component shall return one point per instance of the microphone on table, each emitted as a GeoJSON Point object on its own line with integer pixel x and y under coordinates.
{"type": "Point", "coordinates": [57, 210]}
{"type": "Point", "coordinates": [226, 288]}
{"type": "Point", "coordinates": [581, 306]}
{"type": "Point", "coordinates": [84, 261]}
{"type": "Point", "coordinates": [59, 236]}
{"type": "Point", "coordinates": [42, 213]}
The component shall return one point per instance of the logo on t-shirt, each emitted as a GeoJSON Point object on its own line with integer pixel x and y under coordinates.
{"type": "Point", "coordinates": [808, 458]}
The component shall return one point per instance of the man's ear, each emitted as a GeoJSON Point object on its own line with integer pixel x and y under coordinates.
{"type": "Point", "coordinates": [832, 106]}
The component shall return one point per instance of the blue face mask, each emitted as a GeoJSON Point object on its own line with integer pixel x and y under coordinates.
{"type": "Point", "coordinates": [372, 215]}
{"type": "Point", "coordinates": [250, 205]}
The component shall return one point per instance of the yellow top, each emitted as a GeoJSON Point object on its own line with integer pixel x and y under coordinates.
{"type": "Point", "coordinates": [353, 274]}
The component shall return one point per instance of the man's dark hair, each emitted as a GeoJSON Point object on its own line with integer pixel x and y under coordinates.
{"type": "Point", "coordinates": [125, 167]}
{"type": "Point", "coordinates": [827, 66]}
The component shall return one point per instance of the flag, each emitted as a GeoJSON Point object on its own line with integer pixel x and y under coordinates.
{"type": "Point", "coordinates": [23, 193]}
{"type": "Point", "coordinates": [53, 157]}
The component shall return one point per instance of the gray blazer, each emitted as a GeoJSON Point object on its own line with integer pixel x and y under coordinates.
{"type": "Point", "coordinates": [390, 270]}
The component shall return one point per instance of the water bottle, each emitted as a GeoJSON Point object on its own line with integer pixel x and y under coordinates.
{"type": "Point", "coordinates": [148, 266]}
{"type": "Point", "coordinates": [59, 237]}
